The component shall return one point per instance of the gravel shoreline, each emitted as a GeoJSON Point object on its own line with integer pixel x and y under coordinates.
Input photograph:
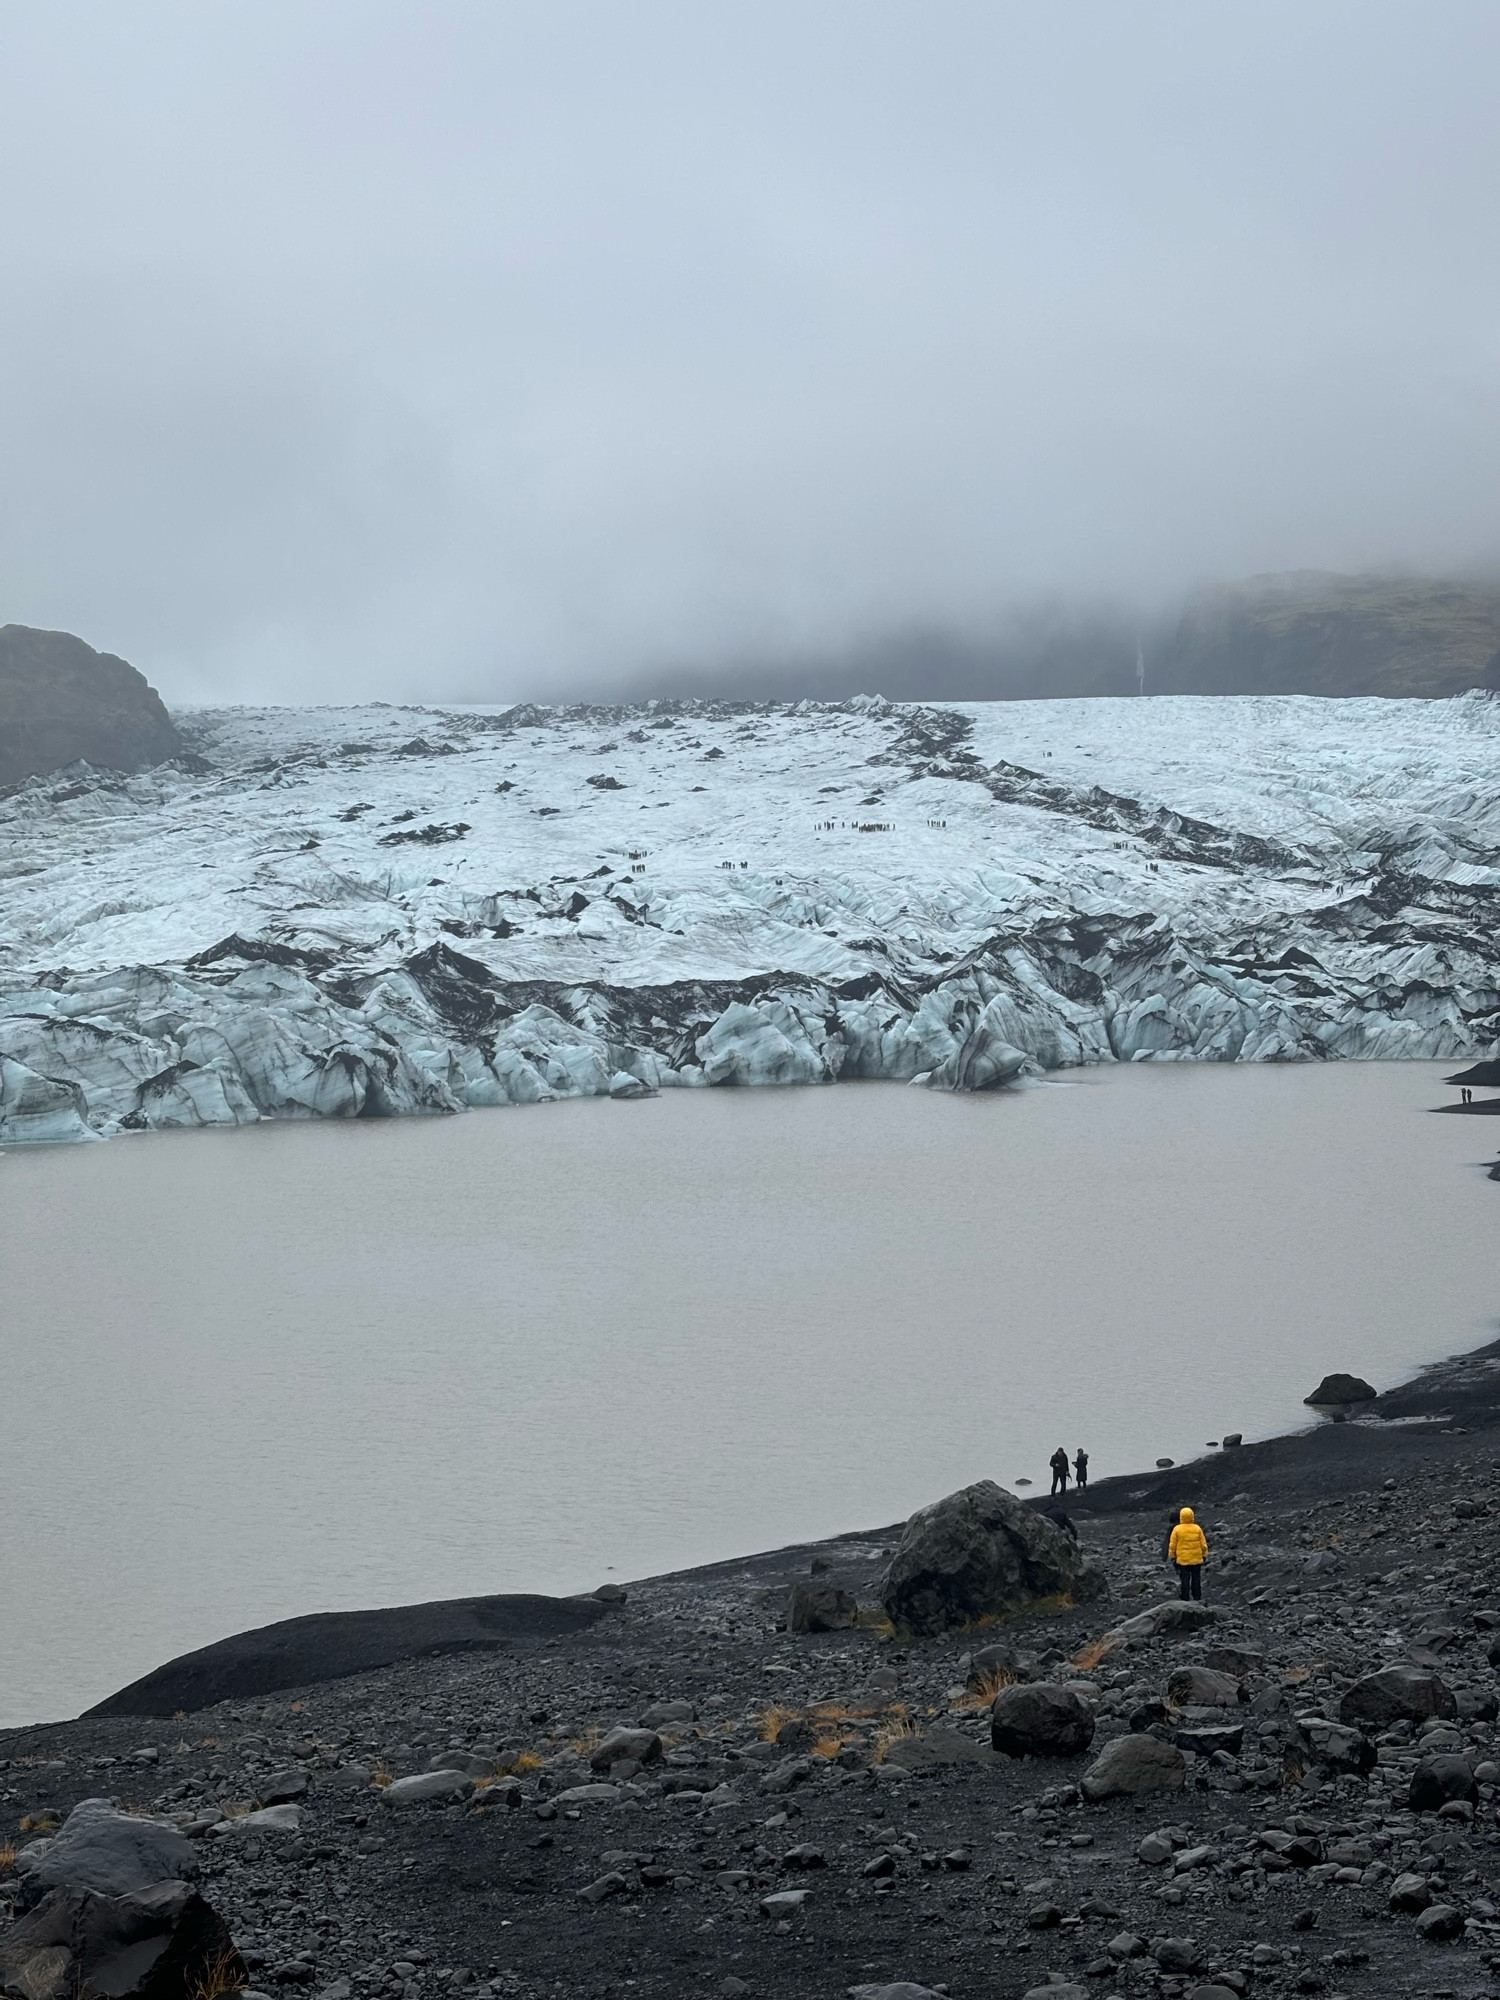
{"type": "Point", "coordinates": [851, 1772]}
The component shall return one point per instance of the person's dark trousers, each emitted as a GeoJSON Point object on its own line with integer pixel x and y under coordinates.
{"type": "Point", "coordinates": [1190, 1580]}
{"type": "Point", "coordinates": [1059, 1483]}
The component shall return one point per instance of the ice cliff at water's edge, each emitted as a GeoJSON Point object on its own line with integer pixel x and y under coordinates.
{"type": "Point", "coordinates": [373, 911]}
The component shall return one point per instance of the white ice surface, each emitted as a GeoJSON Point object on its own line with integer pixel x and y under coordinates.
{"type": "Point", "coordinates": [1044, 895]}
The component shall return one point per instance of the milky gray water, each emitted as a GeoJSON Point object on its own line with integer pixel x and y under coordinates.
{"type": "Point", "coordinates": [256, 1373]}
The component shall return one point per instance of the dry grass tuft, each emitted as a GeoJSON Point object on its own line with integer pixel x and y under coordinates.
{"type": "Point", "coordinates": [771, 1721]}
{"type": "Point", "coordinates": [587, 1742]}
{"type": "Point", "coordinates": [223, 1974]}
{"type": "Point", "coordinates": [830, 1745]}
{"type": "Point", "coordinates": [897, 1729]}
{"type": "Point", "coordinates": [985, 1689]}
{"type": "Point", "coordinates": [870, 1618]}
{"type": "Point", "coordinates": [8, 1853]}
{"type": "Point", "coordinates": [528, 1760]}
{"type": "Point", "coordinates": [1094, 1652]}
{"type": "Point", "coordinates": [382, 1774]}
{"type": "Point", "coordinates": [43, 1822]}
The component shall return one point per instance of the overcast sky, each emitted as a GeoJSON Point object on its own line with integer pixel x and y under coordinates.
{"type": "Point", "coordinates": [447, 350]}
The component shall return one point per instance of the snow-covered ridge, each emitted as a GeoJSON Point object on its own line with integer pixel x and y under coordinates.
{"type": "Point", "coordinates": [361, 911]}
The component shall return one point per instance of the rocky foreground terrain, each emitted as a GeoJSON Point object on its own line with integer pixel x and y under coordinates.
{"type": "Point", "coordinates": [1295, 1790]}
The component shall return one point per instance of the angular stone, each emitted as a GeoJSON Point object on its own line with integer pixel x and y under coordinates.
{"type": "Point", "coordinates": [1131, 1765]}
{"type": "Point", "coordinates": [1201, 1687]}
{"type": "Point", "coordinates": [643, 1746]}
{"type": "Point", "coordinates": [814, 1606]}
{"type": "Point", "coordinates": [1163, 1620]}
{"type": "Point", "coordinates": [158, 1941]}
{"type": "Point", "coordinates": [785, 1902]}
{"type": "Point", "coordinates": [1177, 1954]}
{"type": "Point", "coordinates": [602, 1888]}
{"type": "Point", "coordinates": [1440, 1924]}
{"type": "Point", "coordinates": [426, 1786]}
{"type": "Point", "coordinates": [1040, 1720]}
{"type": "Point", "coordinates": [1409, 1893]}
{"type": "Point", "coordinates": [282, 1787]}
{"type": "Point", "coordinates": [1437, 1781]}
{"type": "Point", "coordinates": [113, 1853]}
{"type": "Point", "coordinates": [1397, 1694]}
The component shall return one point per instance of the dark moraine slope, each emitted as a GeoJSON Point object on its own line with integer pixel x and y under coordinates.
{"type": "Point", "coordinates": [330, 1645]}
{"type": "Point", "coordinates": [61, 701]}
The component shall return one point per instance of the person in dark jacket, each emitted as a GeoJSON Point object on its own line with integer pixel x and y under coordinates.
{"type": "Point", "coordinates": [1060, 1470]}
{"type": "Point", "coordinates": [1081, 1470]}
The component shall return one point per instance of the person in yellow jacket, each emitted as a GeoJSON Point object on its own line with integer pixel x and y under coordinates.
{"type": "Point", "coordinates": [1187, 1550]}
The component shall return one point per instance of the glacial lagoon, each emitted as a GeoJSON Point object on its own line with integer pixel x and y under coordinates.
{"type": "Point", "coordinates": [316, 1366]}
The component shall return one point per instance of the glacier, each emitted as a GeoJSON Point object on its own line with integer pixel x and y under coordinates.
{"type": "Point", "coordinates": [375, 910]}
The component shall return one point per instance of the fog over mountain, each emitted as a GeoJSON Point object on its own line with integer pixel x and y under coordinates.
{"type": "Point", "coordinates": [485, 351]}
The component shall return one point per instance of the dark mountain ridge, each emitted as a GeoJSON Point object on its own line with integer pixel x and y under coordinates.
{"type": "Point", "coordinates": [61, 701]}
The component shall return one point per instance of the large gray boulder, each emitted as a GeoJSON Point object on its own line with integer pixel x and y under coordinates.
{"type": "Point", "coordinates": [158, 1942]}
{"type": "Point", "coordinates": [111, 1852]}
{"type": "Point", "coordinates": [980, 1553]}
{"type": "Point", "coordinates": [1397, 1694]}
{"type": "Point", "coordinates": [1040, 1720]}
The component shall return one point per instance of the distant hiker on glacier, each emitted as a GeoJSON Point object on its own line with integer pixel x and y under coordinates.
{"type": "Point", "coordinates": [1187, 1550]}
{"type": "Point", "coordinates": [1081, 1470]}
{"type": "Point", "coordinates": [1060, 1470]}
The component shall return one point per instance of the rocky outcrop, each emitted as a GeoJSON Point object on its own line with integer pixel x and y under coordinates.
{"type": "Point", "coordinates": [63, 703]}
{"type": "Point", "coordinates": [1334, 1390]}
{"type": "Point", "coordinates": [978, 1554]}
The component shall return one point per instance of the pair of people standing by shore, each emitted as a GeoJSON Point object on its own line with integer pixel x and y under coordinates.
{"type": "Point", "coordinates": [1062, 1471]}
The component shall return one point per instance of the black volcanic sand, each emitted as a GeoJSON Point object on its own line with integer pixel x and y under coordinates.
{"type": "Point", "coordinates": [1334, 1552]}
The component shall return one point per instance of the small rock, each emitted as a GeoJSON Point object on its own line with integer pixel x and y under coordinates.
{"type": "Point", "coordinates": [426, 1786]}
{"type": "Point", "coordinates": [662, 1713]}
{"type": "Point", "coordinates": [611, 1593]}
{"type": "Point", "coordinates": [282, 1787]}
{"type": "Point", "coordinates": [587, 1795]}
{"type": "Point", "coordinates": [819, 1607]}
{"type": "Point", "coordinates": [1131, 1765]}
{"type": "Point", "coordinates": [605, 1886]}
{"type": "Point", "coordinates": [1409, 1893]}
{"type": "Point", "coordinates": [1176, 1955]}
{"type": "Point", "coordinates": [642, 1746]}
{"type": "Point", "coordinates": [784, 1903]}
{"type": "Point", "coordinates": [1440, 1924]}
{"type": "Point", "coordinates": [1202, 1687]}
{"type": "Point", "coordinates": [1438, 1780]}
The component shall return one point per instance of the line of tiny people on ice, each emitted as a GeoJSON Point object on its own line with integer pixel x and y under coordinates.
{"type": "Point", "coordinates": [1186, 1545]}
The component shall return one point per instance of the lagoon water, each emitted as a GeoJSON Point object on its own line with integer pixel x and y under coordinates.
{"type": "Point", "coordinates": [304, 1367]}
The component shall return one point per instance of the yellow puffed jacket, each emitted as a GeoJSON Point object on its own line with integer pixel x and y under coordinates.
{"type": "Point", "coordinates": [1188, 1544]}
